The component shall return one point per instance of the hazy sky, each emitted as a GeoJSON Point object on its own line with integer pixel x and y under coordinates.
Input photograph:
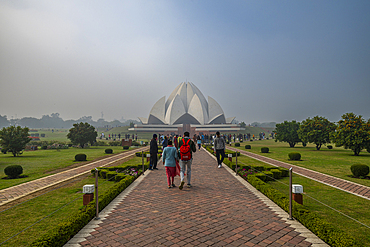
{"type": "Point", "coordinates": [260, 60]}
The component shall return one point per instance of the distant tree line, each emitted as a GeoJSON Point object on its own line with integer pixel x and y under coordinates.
{"type": "Point", "coordinates": [55, 121]}
{"type": "Point", "coordinates": [351, 132]}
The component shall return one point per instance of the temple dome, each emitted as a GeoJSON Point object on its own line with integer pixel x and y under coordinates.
{"type": "Point", "coordinates": [186, 105]}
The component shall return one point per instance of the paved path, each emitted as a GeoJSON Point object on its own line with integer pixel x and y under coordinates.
{"type": "Point", "coordinates": [221, 209]}
{"type": "Point", "coordinates": [348, 186]}
{"type": "Point", "coordinates": [18, 191]}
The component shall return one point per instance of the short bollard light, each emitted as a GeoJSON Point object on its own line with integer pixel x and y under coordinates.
{"type": "Point", "coordinates": [147, 157]}
{"type": "Point", "coordinates": [88, 191]}
{"type": "Point", "coordinates": [230, 157]}
{"type": "Point", "coordinates": [297, 193]}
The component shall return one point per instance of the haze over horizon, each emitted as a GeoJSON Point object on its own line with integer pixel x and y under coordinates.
{"type": "Point", "coordinates": [262, 61]}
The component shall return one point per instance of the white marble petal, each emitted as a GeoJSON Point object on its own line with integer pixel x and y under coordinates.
{"type": "Point", "coordinates": [175, 110]}
{"type": "Point", "coordinates": [214, 109]}
{"type": "Point", "coordinates": [196, 109]}
{"type": "Point", "coordinates": [158, 109]}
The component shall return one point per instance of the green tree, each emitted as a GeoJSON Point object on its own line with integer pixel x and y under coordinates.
{"type": "Point", "coordinates": [14, 139]}
{"type": "Point", "coordinates": [316, 130]}
{"type": "Point", "coordinates": [243, 125]}
{"type": "Point", "coordinates": [352, 132]}
{"type": "Point", "coordinates": [82, 133]}
{"type": "Point", "coordinates": [287, 132]}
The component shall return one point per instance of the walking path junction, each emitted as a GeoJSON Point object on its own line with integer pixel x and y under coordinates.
{"type": "Point", "coordinates": [16, 192]}
{"type": "Point", "coordinates": [220, 209]}
{"type": "Point", "coordinates": [338, 183]}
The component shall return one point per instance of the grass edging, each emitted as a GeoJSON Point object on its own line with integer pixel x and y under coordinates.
{"type": "Point", "coordinates": [64, 231]}
{"type": "Point", "coordinates": [324, 230]}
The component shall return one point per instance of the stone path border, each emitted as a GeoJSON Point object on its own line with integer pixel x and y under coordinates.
{"type": "Point", "coordinates": [16, 192]}
{"type": "Point", "coordinates": [338, 183]}
{"type": "Point", "coordinates": [120, 227]}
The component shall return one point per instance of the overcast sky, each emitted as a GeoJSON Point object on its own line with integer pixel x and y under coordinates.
{"type": "Point", "coordinates": [260, 60]}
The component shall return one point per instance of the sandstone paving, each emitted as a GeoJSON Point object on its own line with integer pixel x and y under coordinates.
{"type": "Point", "coordinates": [220, 209]}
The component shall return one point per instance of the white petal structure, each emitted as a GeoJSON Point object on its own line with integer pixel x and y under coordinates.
{"type": "Point", "coordinates": [186, 105]}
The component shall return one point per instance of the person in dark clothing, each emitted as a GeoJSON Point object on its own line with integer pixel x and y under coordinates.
{"type": "Point", "coordinates": [219, 147]}
{"type": "Point", "coordinates": [153, 153]}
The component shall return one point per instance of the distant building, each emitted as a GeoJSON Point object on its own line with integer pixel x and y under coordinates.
{"type": "Point", "coordinates": [186, 109]}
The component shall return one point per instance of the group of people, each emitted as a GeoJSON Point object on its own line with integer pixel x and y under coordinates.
{"type": "Point", "coordinates": [177, 157]}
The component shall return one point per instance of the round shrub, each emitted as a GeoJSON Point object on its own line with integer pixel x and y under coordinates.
{"type": "Point", "coordinates": [304, 144]}
{"type": "Point", "coordinates": [265, 150]}
{"type": "Point", "coordinates": [80, 157]}
{"type": "Point", "coordinates": [294, 156]}
{"type": "Point", "coordinates": [44, 147]}
{"type": "Point", "coordinates": [359, 170]}
{"type": "Point", "coordinates": [13, 171]}
{"type": "Point", "coordinates": [330, 147]}
{"type": "Point", "coordinates": [108, 151]}
{"type": "Point", "coordinates": [237, 144]}
{"type": "Point", "coordinates": [248, 147]}
{"type": "Point", "coordinates": [126, 147]}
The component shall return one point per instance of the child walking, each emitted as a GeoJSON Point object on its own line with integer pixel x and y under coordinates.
{"type": "Point", "coordinates": [169, 158]}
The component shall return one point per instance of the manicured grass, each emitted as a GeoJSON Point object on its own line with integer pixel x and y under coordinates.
{"type": "Point", "coordinates": [351, 205]}
{"type": "Point", "coordinates": [335, 162]}
{"type": "Point", "coordinates": [20, 217]}
{"type": "Point", "coordinates": [40, 163]}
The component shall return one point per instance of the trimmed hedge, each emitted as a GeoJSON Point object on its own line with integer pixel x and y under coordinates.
{"type": "Point", "coordinates": [265, 150]}
{"type": "Point", "coordinates": [294, 156]}
{"type": "Point", "coordinates": [108, 151]}
{"type": "Point", "coordinates": [126, 147]}
{"type": "Point", "coordinates": [330, 146]}
{"type": "Point", "coordinates": [13, 171]}
{"type": "Point", "coordinates": [64, 231]}
{"type": "Point", "coordinates": [324, 230]}
{"type": "Point", "coordinates": [276, 173]}
{"type": "Point", "coordinates": [80, 157]}
{"type": "Point", "coordinates": [248, 146]}
{"type": "Point", "coordinates": [237, 144]}
{"type": "Point", "coordinates": [359, 170]}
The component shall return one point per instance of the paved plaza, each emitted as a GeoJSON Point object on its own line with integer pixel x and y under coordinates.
{"type": "Point", "coordinates": [220, 209]}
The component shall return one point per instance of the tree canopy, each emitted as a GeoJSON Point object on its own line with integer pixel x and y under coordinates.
{"type": "Point", "coordinates": [14, 139]}
{"type": "Point", "coordinates": [316, 130]}
{"type": "Point", "coordinates": [82, 133]}
{"type": "Point", "coordinates": [287, 132]}
{"type": "Point", "coordinates": [352, 132]}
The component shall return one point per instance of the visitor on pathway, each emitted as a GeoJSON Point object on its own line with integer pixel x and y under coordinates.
{"type": "Point", "coordinates": [169, 157]}
{"type": "Point", "coordinates": [153, 153]}
{"type": "Point", "coordinates": [186, 148]}
{"type": "Point", "coordinates": [175, 142]}
{"type": "Point", "coordinates": [199, 142]}
{"type": "Point", "coordinates": [164, 142]}
{"type": "Point", "coordinates": [219, 146]}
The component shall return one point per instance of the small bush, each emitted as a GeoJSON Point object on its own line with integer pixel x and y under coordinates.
{"type": "Point", "coordinates": [120, 176]}
{"type": "Point", "coordinates": [269, 176]}
{"type": "Point", "coordinates": [359, 170]}
{"type": "Point", "coordinates": [265, 150]}
{"type": "Point", "coordinates": [284, 172]}
{"type": "Point", "coordinates": [304, 144]}
{"type": "Point", "coordinates": [115, 143]}
{"type": "Point", "coordinates": [44, 147]}
{"type": "Point", "coordinates": [3, 150]}
{"type": "Point", "coordinates": [294, 156]}
{"type": "Point", "coordinates": [13, 171]}
{"type": "Point", "coordinates": [80, 157]}
{"type": "Point", "coordinates": [237, 144]}
{"type": "Point", "coordinates": [136, 144]}
{"type": "Point", "coordinates": [330, 147]}
{"type": "Point", "coordinates": [108, 151]}
{"type": "Point", "coordinates": [126, 147]}
{"type": "Point", "coordinates": [248, 147]}
{"type": "Point", "coordinates": [110, 175]}
{"type": "Point", "coordinates": [276, 173]}
{"type": "Point", "coordinates": [261, 176]}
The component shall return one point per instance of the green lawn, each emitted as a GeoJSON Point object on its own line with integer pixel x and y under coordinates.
{"type": "Point", "coordinates": [41, 163]}
{"type": "Point", "coordinates": [335, 162]}
{"type": "Point", "coordinates": [22, 216]}
{"type": "Point", "coordinates": [351, 205]}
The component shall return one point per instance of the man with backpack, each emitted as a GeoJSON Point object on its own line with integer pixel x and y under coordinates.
{"type": "Point", "coordinates": [186, 148]}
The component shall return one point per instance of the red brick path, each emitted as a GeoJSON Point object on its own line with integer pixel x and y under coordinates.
{"type": "Point", "coordinates": [350, 187]}
{"type": "Point", "coordinates": [217, 211]}
{"type": "Point", "coordinates": [18, 191]}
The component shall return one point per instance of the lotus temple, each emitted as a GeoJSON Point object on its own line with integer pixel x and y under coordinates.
{"type": "Point", "coordinates": [186, 109]}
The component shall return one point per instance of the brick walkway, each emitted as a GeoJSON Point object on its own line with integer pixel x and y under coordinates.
{"type": "Point", "coordinates": [221, 209]}
{"type": "Point", "coordinates": [348, 186]}
{"type": "Point", "coordinates": [18, 191]}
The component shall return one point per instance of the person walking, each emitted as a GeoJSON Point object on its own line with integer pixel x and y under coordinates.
{"type": "Point", "coordinates": [164, 142]}
{"type": "Point", "coordinates": [153, 153]}
{"type": "Point", "coordinates": [199, 142]}
{"type": "Point", "coordinates": [219, 146]}
{"type": "Point", "coordinates": [169, 157]}
{"type": "Point", "coordinates": [186, 147]}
